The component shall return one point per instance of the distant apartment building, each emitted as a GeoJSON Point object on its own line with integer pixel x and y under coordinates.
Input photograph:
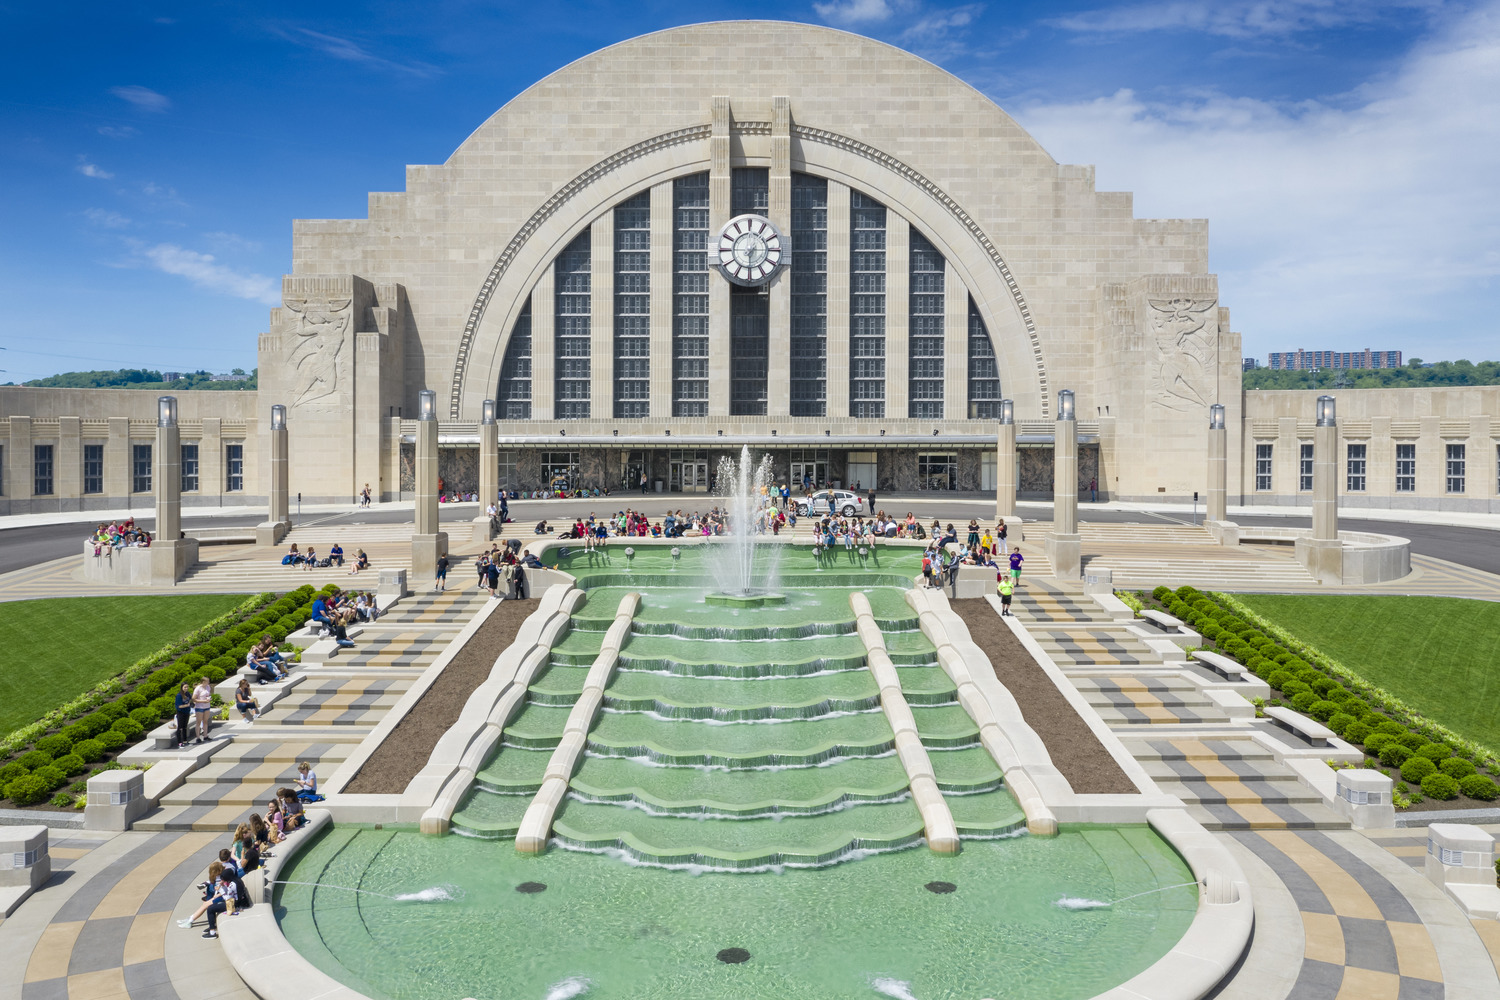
{"type": "Point", "coordinates": [1302, 361]}
{"type": "Point", "coordinates": [1249, 364]}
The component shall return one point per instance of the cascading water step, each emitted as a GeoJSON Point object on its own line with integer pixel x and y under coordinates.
{"type": "Point", "coordinates": [729, 693]}
{"type": "Point", "coordinates": [537, 727]}
{"type": "Point", "coordinates": [515, 769]}
{"type": "Point", "coordinates": [927, 686]}
{"type": "Point", "coordinates": [966, 770]}
{"type": "Point", "coordinates": [794, 743]}
{"type": "Point", "coordinates": [557, 685]}
{"type": "Point", "coordinates": [795, 840]}
{"type": "Point", "coordinates": [694, 792]}
{"type": "Point", "coordinates": [489, 815]}
{"type": "Point", "coordinates": [945, 727]}
{"type": "Point", "coordinates": [988, 814]}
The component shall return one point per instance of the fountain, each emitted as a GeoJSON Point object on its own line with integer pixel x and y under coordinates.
{"type": "Point", "coordinates": [744, 567]}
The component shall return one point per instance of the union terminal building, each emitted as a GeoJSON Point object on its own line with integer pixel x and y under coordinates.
{"type": "Point", "coordinates": [763, 234]}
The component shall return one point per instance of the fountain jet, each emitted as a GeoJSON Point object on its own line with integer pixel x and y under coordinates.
{"type": "Point", "coordinates": [743, 567]}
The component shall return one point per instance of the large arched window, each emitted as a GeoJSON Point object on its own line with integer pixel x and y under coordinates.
{"type": "Point", "coordinates": [572, 330]}
{"type": "Point", "coordinates": [925, 330]}
{"type": "Point", "coordinates": [984, 369]}
{"type": "Point", "coordinates": [514, 396]}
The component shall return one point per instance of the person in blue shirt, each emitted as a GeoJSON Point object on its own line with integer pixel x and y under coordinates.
{"type": "Point", "coordinates": [320, 615]}
{"type": "Point", "coordinates": [336, 555]}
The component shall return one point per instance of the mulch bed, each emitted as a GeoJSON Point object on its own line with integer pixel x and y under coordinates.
{"type": "Point", "coordinates": [405, 751]}
{"type": "Point", "coordinates": [1075, 750]}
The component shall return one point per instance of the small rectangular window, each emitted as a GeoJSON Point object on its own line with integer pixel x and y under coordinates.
{"type": "Point", "coordinates": [140, 468]}
{"type": "Point", "coordinates": [1456, 464]}
{"type": "Point", "coordinates": [1355, 480]}
{"type": "Point", "coordinates": [937, 472]}
{"type": "Point", "coordinates": [1305, 468]}
{"type": "Point", "coordinates": [42, 470]}
{"type": "Point", "coordinates": [1406, 468]}
{"type": "Point", "coordinates": [234, 468]}
{"type": "Point", "coordinates": [190, 468]}
{"type": "Point", "coordinates": [93, 468]}
{"type": "Point", "coordinates": [1263, 467]}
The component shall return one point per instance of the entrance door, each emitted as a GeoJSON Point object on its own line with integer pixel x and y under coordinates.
{"type": "Point", "coordinates": [695, 477]}
{"type": "Point", "coordinates": [816, 472]}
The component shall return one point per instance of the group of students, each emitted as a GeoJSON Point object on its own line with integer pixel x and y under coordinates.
{"type": "Point", "coordinates": [311, 560]}
{"type": "Point", "coordinates": [224, 893]}
{"type": "Point", "coordinates": [500, 567]}
{"type": "Point", "coordinates": [119, 535]}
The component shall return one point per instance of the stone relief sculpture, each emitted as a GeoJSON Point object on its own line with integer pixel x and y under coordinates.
{"type": "Point", "coordinates": [1183, 369]}
{"type": "Point", "coordinates": [317, 341]}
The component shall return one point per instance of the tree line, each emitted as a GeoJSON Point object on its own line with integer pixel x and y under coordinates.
{"type": "Point", "coordinates": [144, 378]}
{"type": "Point", "coordinates": [1415, 374]}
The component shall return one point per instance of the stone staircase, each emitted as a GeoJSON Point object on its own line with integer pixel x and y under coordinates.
{"type": "Point", "coordinates": [334, 705]}
{"type": "Point", "coordinates": [1191, 735]}
{"type": "Point", "coordinates": [1206, 568]}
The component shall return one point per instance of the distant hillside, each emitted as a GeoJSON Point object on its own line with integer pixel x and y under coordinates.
{"type": "Point", "coordinates": [142, 378]}
{"type": "Point", "coordinates": [1414, 375]}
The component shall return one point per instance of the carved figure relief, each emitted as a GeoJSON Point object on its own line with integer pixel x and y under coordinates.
{"type": "Point", "coordinates": [1183, 368]}
{"type": "Point", "coordinates": [317, 341]}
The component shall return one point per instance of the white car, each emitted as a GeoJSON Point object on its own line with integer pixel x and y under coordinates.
{"type": "Point", "coordinates": [843, 502]}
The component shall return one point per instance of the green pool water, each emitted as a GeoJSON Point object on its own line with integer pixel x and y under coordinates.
{"type": "Point", "coordinates": [739, 789]}
{"type": "Point", "coordinates": [635, 932]}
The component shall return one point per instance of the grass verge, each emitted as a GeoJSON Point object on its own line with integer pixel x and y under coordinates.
{"type": "Point", "coordinates": [1436, 654]}
{"type": "Point", "coordinates": [57, 648]}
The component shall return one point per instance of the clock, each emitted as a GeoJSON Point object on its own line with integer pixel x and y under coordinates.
{"type": "Point", "coordinates": [749, 251]}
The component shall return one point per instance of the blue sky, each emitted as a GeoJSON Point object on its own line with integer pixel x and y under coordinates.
{"type": "Point", "coordinates": [153, 156]}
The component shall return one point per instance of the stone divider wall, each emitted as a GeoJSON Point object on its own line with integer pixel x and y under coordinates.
{"type": "Point", "coordinates": [536, 824]}
{"type": "Point", "coordinates": [937, 818]}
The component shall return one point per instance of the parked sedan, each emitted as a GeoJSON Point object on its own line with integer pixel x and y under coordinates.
{"type": "Point", "coordinates": [842, 502]}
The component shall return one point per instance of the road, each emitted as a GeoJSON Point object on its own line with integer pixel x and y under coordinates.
{"type": "Point", "coordinates": [1475, 547]}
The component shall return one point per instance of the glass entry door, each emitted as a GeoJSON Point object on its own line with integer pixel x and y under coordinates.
{"type": "Point", "coordinates": [809, 475]}
{"type": "Point", "coordinates": [689, 475]}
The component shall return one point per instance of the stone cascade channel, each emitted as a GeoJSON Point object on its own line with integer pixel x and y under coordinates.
{"type": "Point", "coordinates": [740, 738]}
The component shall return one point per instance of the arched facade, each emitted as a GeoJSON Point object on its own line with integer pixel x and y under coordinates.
{"type": "Point", "coordinates": [939, 258]}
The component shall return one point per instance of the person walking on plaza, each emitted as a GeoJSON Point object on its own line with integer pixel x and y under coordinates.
{"type": "Point", "coordinates": [872, 501]}
{"type": "Point", "coordinates": [184, 707]}
{"type": "Point", "coordinates": [1016, 559]}
{"type": "Point", "coordinates": [203, 703]}
{"type": "Point", "coordinates": [1094, 490]}
{"type": "Point", "coordinates": [440, 582]}
{"type": "Point", "coordinates": [643, 484]}
{"type": "Point", "coordinates": [1001, 547]}
{"type": "Point", "coordinates": [1005, 587]}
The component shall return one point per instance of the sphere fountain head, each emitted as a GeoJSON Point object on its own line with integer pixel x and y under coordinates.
{"type": "Point", "coordinates": [863, 551]}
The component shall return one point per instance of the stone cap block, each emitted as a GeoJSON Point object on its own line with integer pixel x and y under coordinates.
{"type": "Point", "coordinates": [113, 788]}
{"type": "Point", "coordinates": [1363, 786]}
{"type": "Point", "coordinates": [1161, 618]}
{"type": "Point", "coordinates": [22, 846]}
{"type": "Point", "coordinates": [1288, 719]}
{"type": "Point", "coordinates": [1460, 844]}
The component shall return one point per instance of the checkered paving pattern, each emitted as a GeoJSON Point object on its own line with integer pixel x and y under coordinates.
{"type": "Point", "coordinates": [1145, 701]}
{"type": "Point", "coordinates": [1364, 938]}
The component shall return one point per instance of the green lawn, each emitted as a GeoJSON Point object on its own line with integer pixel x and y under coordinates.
{"type": "Point", "coordinates": [56, 649]}
{"type": "Point", "coordinates": [1440, 655]}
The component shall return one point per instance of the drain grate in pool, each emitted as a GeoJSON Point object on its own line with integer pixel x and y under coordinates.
{"type": "Point", "coordinates": [940, 887]}
{"type": "Point", "coordinates": [734, 956]}
{"type": "Point", "coordinates": [529, 887]}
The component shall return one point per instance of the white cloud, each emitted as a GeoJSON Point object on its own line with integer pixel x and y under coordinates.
{"type": "Point", "coordinates": [142, 97]}
{"type": "Point", "coordinates": [1236, 18]}
{"type": "Point", "coordinates": [852, 12]}
{"type": "Point", "coordinates": [207, 273]}
{"type": "Point", "coordinates": [106, 218]}
{"type": "Point", "coordinates": [937, 28]}
{"type": "Point", "coordinates": [348, 50]}
{"type": "Point", "coordinates": [231, 243]}
{"type": "Point", "coordinates": [118, 131]}
{"type": "Point", "coordinates": [88, 169]}
{"type": "Point", "coordinates": [1371, 220]}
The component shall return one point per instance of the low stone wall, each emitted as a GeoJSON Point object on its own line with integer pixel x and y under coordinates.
{"type": "Point", "coordinates": [132, 567]}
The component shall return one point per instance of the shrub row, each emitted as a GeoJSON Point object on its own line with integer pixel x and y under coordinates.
{"type": "Point", "coordinates": [1424, 757]}
{"type": "Point", "coordinates": [120, 718]}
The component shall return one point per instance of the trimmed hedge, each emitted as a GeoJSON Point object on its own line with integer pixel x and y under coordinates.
{"type": "Point", "coordinates": [1358, 713]}
{"type": "Point", "coordinates": [108, 718]}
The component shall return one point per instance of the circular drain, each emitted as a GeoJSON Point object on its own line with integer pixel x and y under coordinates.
{"type": "Point", "coordinates": [734, 956]}
{"type": "Point", "coordinates": [530, 887]}
{"type": "Point", "coordinates": [941, 888]}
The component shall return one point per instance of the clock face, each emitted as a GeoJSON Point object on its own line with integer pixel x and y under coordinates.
{"type": "Point", "coordinates": [750, 250]}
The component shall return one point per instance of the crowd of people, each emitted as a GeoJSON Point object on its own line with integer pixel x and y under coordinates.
{"type": "Point", "coordinates": [119, 535]}
{"type": "Point", "coordinates": [309, 559]}
{"type": "Point", "coordinates": [502, 570]}
{"type": "Point", "coordinates": [224, 893]}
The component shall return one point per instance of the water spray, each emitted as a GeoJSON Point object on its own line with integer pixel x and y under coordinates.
{"type": "Point", "coordinates": [1080, 903]}
{"type": "Point", "coordinates": [433, 894]}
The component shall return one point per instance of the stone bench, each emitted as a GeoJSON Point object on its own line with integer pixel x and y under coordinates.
{"type": "Point", "coordinates": [1313, 732]}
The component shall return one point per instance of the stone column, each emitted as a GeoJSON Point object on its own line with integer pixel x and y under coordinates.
{"type": "Point", "coordinates": [1005, 462]}
{"type": "Point", "coordinates": [489, 468]}
{"type": "Point", "coordinates": [170, 553]}
{"type": "Point", "coordinates": [779, 293]}
{"type": "Point", "coordinates": [116, 799]}
{"type": "Point", "coordinates": [838, 302]}
{"type": "Point", "coordinates": [602, 316]}
{"type": "Point", "coordinates": [1322, 553]}
{"type": "Point", "coordinates": [67, 464]}
{"type": "Point", "coordinates": [663, 225]}
{"type": "Point", "coordinates": [719, 187]}
{"type": "Point", "coordinates": [427, 542]}
{"type": "Point", "coordinates": [1063, 547]}
{"type": "Point", "coordinates": [1216, 519]}
{"type": "Point", "coordinates": [278, 517]}
{"type": "Point", "coordinates": [897, 318]}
